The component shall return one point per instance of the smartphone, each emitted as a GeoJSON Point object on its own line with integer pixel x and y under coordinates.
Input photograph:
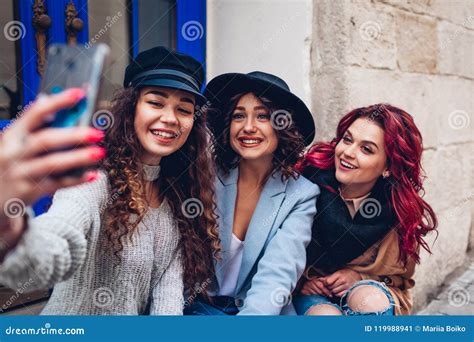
{"type": "Point", "coordinates": [74, 67]}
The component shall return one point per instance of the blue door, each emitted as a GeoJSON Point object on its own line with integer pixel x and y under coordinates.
{"type": "Point", "coordinates": [56, 20]}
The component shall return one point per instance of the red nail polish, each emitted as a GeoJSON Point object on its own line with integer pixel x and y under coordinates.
{"type": "Point", "coordinates": [92, 176]}
{"type": "Point", "coordinates": [94, 136]}
{"type": "Point", "coordinates": [76, 93]}
{"type": "Point", "coordinates": [97, 153]}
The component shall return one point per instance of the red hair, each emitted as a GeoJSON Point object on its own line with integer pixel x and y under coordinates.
{"type": "Point", "coordinates": [403, 146]}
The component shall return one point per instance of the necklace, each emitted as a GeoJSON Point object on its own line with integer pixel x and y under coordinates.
{"type": "Point", "coordinates": [151, 172]}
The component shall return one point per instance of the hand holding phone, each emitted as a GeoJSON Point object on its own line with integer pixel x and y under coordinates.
{"type": "Point", "coordinates": [25, 170]}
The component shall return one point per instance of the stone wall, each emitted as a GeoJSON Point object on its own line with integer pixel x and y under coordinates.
{"type": "Point", "coordinates": [418, 55]}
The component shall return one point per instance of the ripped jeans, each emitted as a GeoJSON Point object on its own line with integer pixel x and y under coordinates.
{"type": "Point", "coordinates": [303, 303]}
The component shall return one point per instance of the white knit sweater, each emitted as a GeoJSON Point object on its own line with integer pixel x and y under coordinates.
{"type": "Point", "coordinates": [64, 248]}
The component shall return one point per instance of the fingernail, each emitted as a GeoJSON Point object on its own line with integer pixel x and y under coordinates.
{"type": "Point", "coordinates": [94, 136]}
{"type": "Point", "coordinates": [76, 94]}
{"type": "Point", "coordinates": [97, 153]}
{"type": "Point", "coordinates": [91, 176]}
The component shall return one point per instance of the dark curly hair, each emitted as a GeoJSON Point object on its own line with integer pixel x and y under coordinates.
{"type": "Point", "coordinates": [184, 174]}
{"type": "Point", "coordinates": [290, 142]}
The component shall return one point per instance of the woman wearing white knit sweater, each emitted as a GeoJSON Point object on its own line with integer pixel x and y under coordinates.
{"type": "Point", "coordinates": [145, 227]}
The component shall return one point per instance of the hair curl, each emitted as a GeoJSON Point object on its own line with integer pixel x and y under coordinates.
{"type": "Point", "coordinates": [184, 174]}
{"type": "Point", "coordinates": [290, 141]}
{"type": "Point", "coordinates": [403, 145]}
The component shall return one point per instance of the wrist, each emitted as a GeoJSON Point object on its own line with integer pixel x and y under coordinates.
{"type": "Point", "coordinates": [361, 276]}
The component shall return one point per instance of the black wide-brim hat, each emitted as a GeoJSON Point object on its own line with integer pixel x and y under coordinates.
{"type": "Point", "coordinates": [161, 67]}
{"type": "Point", "coordinates": [223, 87]}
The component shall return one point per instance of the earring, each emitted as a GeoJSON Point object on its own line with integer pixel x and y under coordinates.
{"type": "Point", "coordinates": [386, 174]}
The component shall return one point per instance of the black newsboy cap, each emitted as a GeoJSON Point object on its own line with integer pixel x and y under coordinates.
{"type": "Point", "coordinates": [162, 67]}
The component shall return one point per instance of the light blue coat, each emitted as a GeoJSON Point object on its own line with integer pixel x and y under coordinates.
{"type": "Point", "coordinates": [274, 255]}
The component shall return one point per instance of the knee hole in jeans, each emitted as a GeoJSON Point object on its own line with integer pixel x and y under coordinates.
{"type": "Point", "coordinates": [323, 310]}
{"type": "Point", "coordinates": [368, 298]}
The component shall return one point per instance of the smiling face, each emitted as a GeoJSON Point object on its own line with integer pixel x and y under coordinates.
{"type": "Point", "coordinates": [164, 118]}
{"type": "Point", "coordinates": [251, 133]}
{"type": "Point", "coordinates": [360, 157]}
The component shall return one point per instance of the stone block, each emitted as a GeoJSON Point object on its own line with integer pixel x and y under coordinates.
{"type": "Point", "coordinates": [449, 188]}
{"type": "Point", "coordinates": [372, 41]}
{"type": "Point", "coordinates": [455, 50]}
{"type": "Point", "coordinates": [416, 43]}
{"type": "Point", "coordinates": [456, 11]}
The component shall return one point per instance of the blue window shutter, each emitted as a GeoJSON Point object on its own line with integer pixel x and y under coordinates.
{"type": "Point", "coordinates": [29, 74]}
{"type": "Point", "coordinates": [191, 28]}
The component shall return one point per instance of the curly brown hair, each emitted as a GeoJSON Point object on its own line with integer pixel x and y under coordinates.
{"type": "Point", "coordinates": [290, 142]}
{"type": "Point", "coordinates": [184, 174]}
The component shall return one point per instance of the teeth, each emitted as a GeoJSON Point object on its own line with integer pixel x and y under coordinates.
{"type": "Point", "coordinates": [248, 141]}
{"type": "Point", "coordinates": [347, 165]}
{"type": "Point", "coordinates": [163, 134]}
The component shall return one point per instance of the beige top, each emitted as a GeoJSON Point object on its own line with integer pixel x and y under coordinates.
{"type": "Point", "coordinates": [353, 204]}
